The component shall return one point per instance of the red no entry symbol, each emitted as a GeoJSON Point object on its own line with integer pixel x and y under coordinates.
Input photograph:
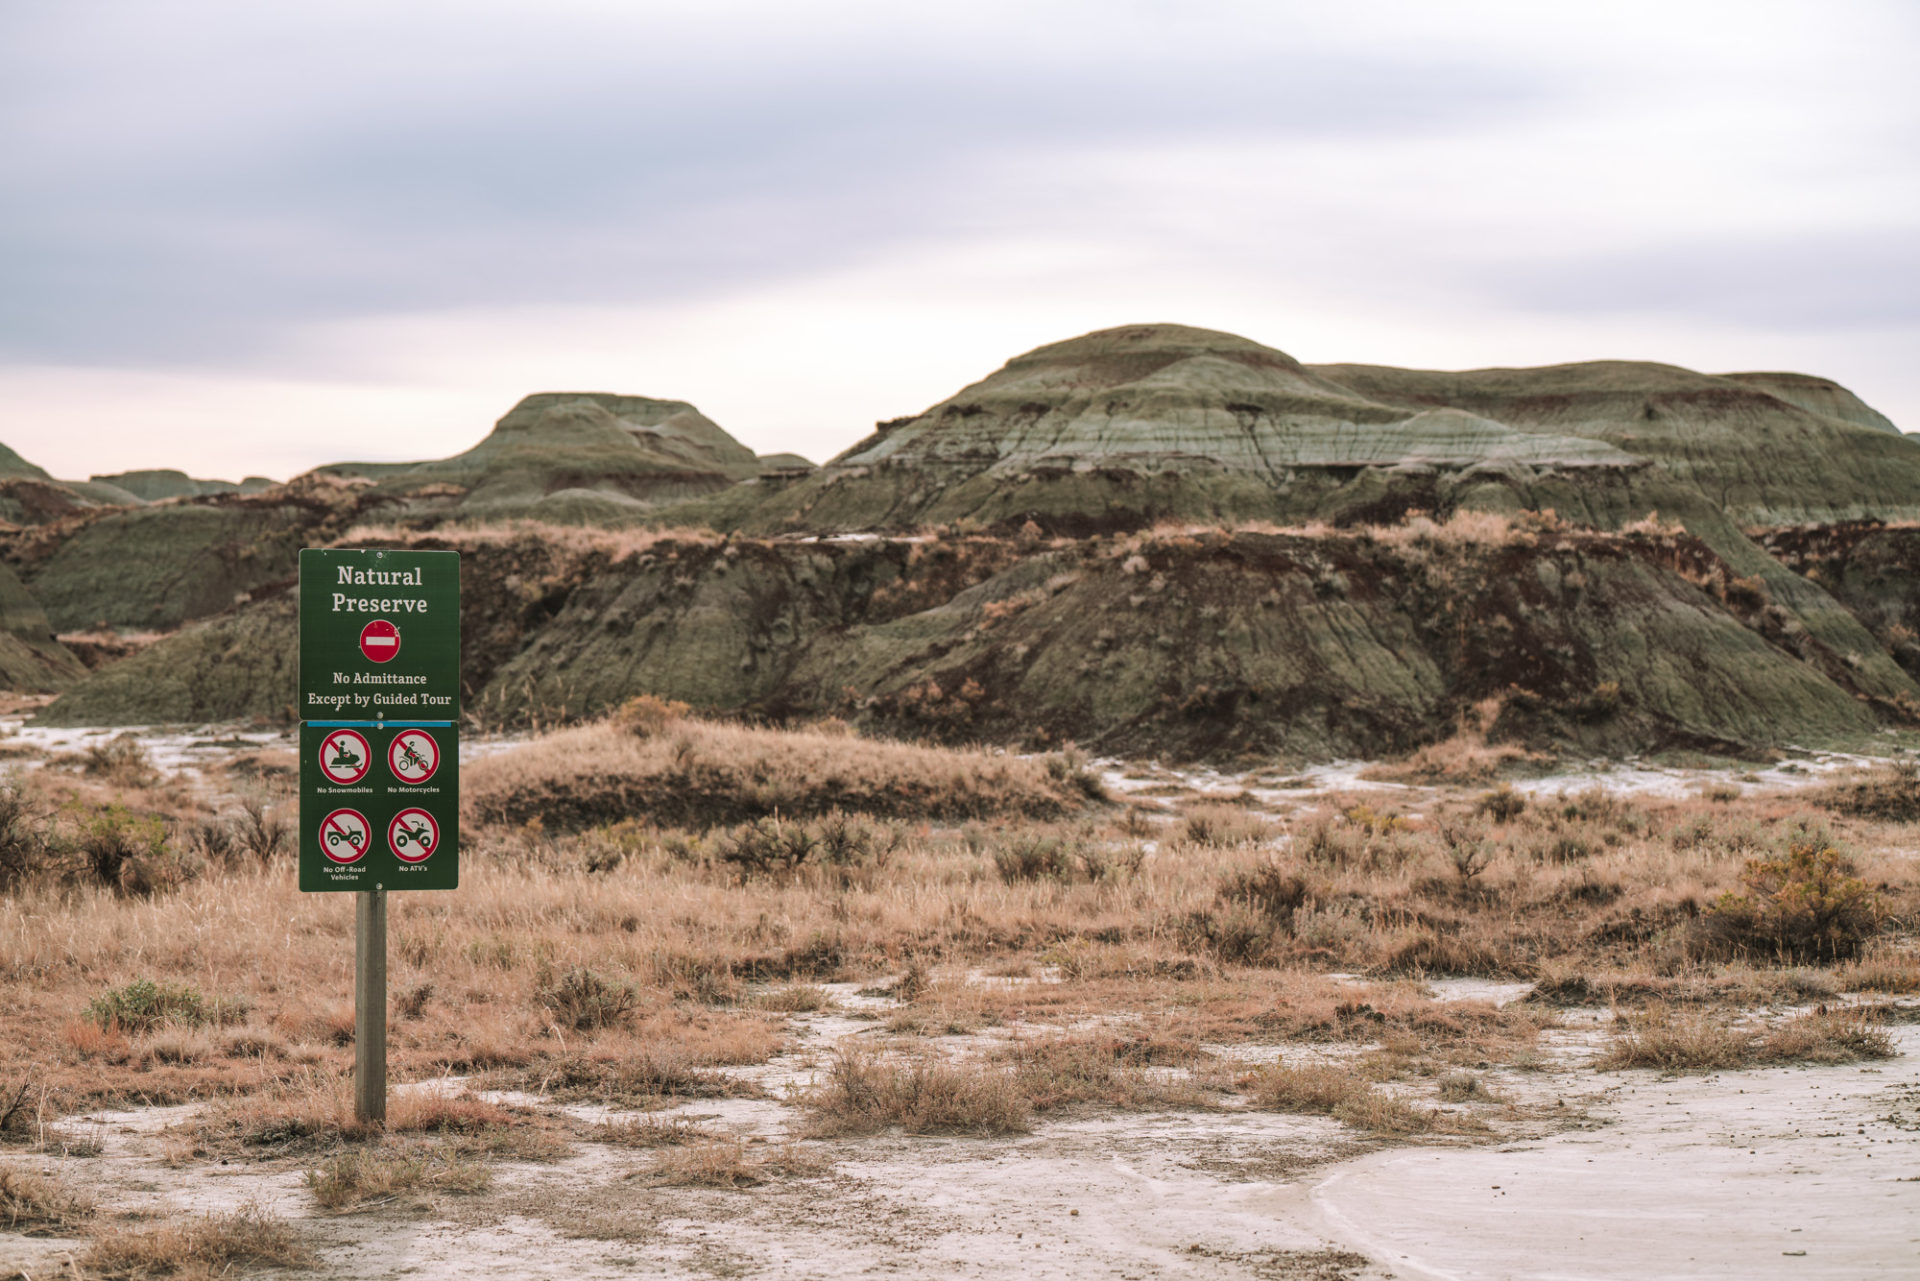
{"type": "Point", "coordinates": [413, 835]}
{"type": "Point", "coordinates": [345, 835]}
{"type": "Point", "coordinates": [345, 757]}
{"type": "Point", "coordinates": [413, 756]}
{"type": "Point", "coordinates": [380, 641]}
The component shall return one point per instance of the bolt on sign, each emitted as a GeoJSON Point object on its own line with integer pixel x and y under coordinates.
{"type": "Point", "coordinates": [380, 708]}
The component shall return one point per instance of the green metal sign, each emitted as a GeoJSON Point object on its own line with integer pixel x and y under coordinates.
{"type": "Point", "coordinates": [380, 702]}
{"type": "Point", "coordinates": [379, 807]}
{"type": "Point", "coordinates": [379, 635]}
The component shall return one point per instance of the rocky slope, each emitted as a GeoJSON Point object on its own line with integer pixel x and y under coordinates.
{"type": "Point", "coordinates": [1368, 559]}
{"type": "Point", "coordinates": [1308, 645]}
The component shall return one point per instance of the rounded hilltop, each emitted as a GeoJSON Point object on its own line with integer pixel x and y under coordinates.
{"type": "Point", "coordinates": [1124, 426]}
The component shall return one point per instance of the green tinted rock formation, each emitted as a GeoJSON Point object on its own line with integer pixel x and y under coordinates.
{"type": "Point", "coordinates": [1125, 426]}
{"type": "Point", "coordinates": [31, 659]}
{"type": "Point", "coordinates": [1764, 448]}
{"type": "Point", "coordinates": [569, 458]}
{"type": "Point", "coordinates": [152, 568]}
{"type": "Point", "coordinates": [1342, 643]}
{"type": "Point", "coordinates": [156, 484]}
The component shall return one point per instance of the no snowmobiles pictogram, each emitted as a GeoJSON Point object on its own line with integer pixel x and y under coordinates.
{"type": "Point", "coordinates": [345, 757]}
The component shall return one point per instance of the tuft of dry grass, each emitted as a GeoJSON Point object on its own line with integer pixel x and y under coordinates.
{"type": "Point", "coordinates": [865, 1094]}
{"type": "Point", "coordinates": [796, 998]}
{"type": "Point", "coordinates": [1056, 1071]}
{"type": "Point", "coordinates": [720, 1162]}
{"type": "Point", "coordinates": [196, 1249]}
{"type": "Point", "coordinates": [703, 772]}
{"type": "Point", "coordinates": [1895, 973]}
{"type": "Point", "coordinates": [359, 1176]}
{"type": "Point", "coordinates": [40, 1205]}
{"type": "Point", "coordinates": [1700, 1041]}
{"type": "Point", "coordinates": [1225, 827]}
{"type": "Point", "coordinates": [649, 1132]}
{"type": "Point", "coordinates": [1343, 1094]}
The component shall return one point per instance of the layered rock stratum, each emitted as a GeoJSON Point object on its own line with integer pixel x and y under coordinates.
{"type": "Point", "coordinates": [1152, 538]}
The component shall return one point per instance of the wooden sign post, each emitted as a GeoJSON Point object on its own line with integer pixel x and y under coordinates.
{"type": "Point", "coordinates": [379, 756]}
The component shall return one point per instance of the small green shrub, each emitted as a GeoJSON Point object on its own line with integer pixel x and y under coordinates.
{"type": "Point", "coordinates": [143, 1005]}
{"type": "Point", "coordinates": [1807, 906]}
{"type": "Point", "coordinates": [114, 840]}
{"type": "Point", "coordinates": [1040, 857]}
{"type": "Point", "coordinates": [767, 847]}
{"type": "Point", "coordinates": [1502, 804]}
{"type": "Point", "coordinates": [583, 1000]}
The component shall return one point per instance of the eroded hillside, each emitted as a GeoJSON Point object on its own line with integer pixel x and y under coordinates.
{"type": "Point", "coordinates": [1152, 538]}
{"type": "Point", "coordinates": [1309, 642]}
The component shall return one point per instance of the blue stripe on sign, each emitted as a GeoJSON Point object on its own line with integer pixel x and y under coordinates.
{"type": "Point", "coordinates": [380, 724]}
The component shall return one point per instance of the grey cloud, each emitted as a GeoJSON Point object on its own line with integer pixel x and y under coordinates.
{"type": "Point", "coordinates": [206, 218]}
{"type": "Point", "coordinates": [1813, 281]}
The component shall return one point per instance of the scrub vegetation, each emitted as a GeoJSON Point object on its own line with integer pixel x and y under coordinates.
{"type": "Point", "coordinates": [1018, 945]}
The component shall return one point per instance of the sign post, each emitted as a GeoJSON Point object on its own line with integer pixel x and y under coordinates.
{"type": "Point", "coordinates": [379, 755]}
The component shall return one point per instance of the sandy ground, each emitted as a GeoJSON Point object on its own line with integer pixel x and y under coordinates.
{"type": "Point", "coordinates": [1795, 1172]}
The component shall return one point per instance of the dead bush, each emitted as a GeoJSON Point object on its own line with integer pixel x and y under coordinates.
{"type": "Point", "coordinates": [206, 1245]}
{"type": "Point", "coordinates": [865, 1093]}
{"type": "Point", "coordinates": [40, 1205]}
{"type": "Point", "coordinates": [1502, 804]}
{"type": "Point", "coordinates": [646, 715]}
{"type": "Point", "coordinates": [583, 1000]}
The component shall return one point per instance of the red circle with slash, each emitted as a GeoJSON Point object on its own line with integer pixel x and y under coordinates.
{"type": "Point", "coordinates": [345, 836]}
{"type": "Point", "coordinates": [413, 835]}
{"type": "Point", "coordinates": [380, 641]}
{"type": "Point", "coordinates": [413, 756]}
{"type": "Point", "coordinates": [345, 757]}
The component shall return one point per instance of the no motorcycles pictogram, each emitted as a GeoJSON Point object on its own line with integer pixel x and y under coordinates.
{"type": "Point", "coordinates": [413, 756]}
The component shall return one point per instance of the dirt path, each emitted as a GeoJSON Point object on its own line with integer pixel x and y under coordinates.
{"type": "Point", "coordinates": [1789, 1172]}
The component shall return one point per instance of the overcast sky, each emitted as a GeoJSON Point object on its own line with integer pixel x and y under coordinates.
{"type": "Point", "coordinates": [251, 238]}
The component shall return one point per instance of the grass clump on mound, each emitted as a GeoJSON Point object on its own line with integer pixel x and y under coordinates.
{"type": "Point", "coordinates": [865, 1094]}
{"type": "Point", "coordinates": [203, 1246]}
{"type": "Point", "coordinates": [675, 770]}
{"type": "Point", "coordinates": [1668, 1041]}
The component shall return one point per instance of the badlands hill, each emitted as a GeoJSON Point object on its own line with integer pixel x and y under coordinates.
{"type": "Point", "coordinates": [1127, 426]}
{"type": "Point", "coordinates": [1612, 557]}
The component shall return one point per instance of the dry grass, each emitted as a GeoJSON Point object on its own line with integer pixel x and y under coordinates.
{"type": "Point", "coordinates": [1342, 1093]}
{"type": "Point", "coordinates": [865, 1093]}
{"type": "Point", "coordinates": [702, 773]}
{"type": "Point", "coordinates": [649, 1132]}
{"type": "Point", "coordinates": [40, 1205]}
{"type": "Point", "coordinates": [1702, 1041]}
{"type": "Point", "coordinates": [1887, 792]}
{"type": "Point", "coordinates": [195, 1249]}
{"type": "Point", "coordinates": [362, 1176]}
{"type": "Point", "coordinates": [695, 968]}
